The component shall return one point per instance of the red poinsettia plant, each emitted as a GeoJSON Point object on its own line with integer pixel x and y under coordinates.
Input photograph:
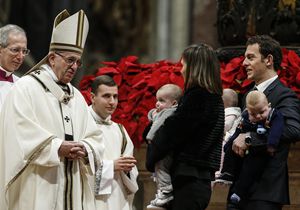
{"type": "Point", "coordinates": [138, 84]}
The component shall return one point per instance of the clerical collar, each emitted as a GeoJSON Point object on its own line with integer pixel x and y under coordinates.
{"type": "Point", "coordinates": [64, 87]}
{"type": "Point", "coordinates": [5, 75]}
{"type": "Point", "coordinates": [50, 71]}
{"type": "Point", "coordinates": [98, 119]}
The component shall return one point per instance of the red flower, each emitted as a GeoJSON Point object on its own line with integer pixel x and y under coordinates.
{"type": "Point", "coordinates": [234, 75]}
{"type": "Point", "coordinates": [86, 82]}
{"type": "Point", "coordinates": [289, 75]}
{"type": "Point", "coordinates": [87, 95]}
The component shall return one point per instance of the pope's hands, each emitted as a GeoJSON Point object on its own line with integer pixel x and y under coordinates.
{"type": "Point", "coordinates": [124, 163]}
{"type": "Point", "coordinates": [72, 150]}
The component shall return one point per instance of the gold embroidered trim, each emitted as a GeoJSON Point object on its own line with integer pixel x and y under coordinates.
{"type": "Point", "coordinates": [65, 44]}
{"type": "Point", "coordinates": [80, 28]}
{"type": "Point", "coordinates": [32, 157]}
{"type": "Point", "coordinates": [64, 14]}
{"type": "Point", "coordinates": [97, 163]}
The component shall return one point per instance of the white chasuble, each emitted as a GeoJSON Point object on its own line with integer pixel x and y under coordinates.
{"type": "Point", "coordinates": [32, 175]}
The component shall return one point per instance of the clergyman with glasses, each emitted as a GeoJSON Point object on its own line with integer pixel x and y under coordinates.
{"type": "Point", "coordinates": [13, 49]}
{"type": "Point", "coordinates": [50, 145]}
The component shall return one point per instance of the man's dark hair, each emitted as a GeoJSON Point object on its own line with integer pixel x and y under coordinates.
{"type": "Point", "coordinates": [267, 46]}
{"type": "Point", "coordinates": [102, 80]}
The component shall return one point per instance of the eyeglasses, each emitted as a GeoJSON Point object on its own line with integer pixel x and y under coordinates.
{"type": "Point", "coordinates": [70, 60]}
{"type": "Point", "coordinates": [17, 50]}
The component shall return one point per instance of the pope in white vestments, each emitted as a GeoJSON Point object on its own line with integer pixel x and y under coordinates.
{"type": "Point", "coordinates": [115, 185]}
{"type": "Point", "coordinates": [50, 146]}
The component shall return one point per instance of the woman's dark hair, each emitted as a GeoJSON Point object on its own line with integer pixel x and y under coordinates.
{"type": "Point", "coordinates": [202, 68]}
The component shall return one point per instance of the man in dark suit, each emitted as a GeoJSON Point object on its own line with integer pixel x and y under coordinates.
{"type": "Point", "coordinates": [270, 192]}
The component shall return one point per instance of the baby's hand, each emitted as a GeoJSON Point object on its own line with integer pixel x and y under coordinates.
{"type": "Point", "coordinates": [154, 112]}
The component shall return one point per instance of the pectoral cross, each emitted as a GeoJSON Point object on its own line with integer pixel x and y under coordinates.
{"type": "Point", "coordinates": [67, 119]}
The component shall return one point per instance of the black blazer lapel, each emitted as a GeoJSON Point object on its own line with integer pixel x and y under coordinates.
{"type": "Point", "coordinates": [270, 88]}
